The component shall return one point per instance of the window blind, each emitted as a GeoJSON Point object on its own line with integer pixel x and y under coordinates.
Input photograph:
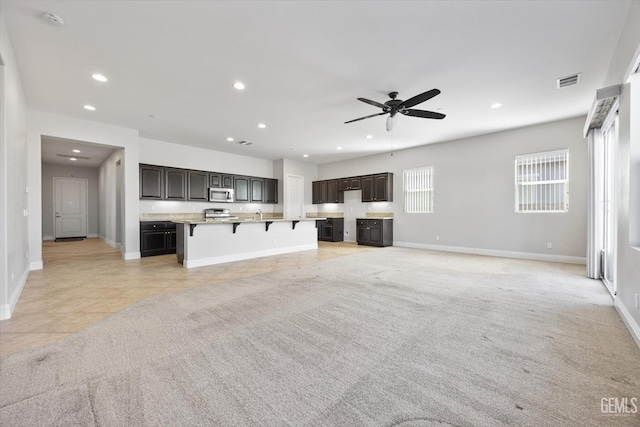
{"type": "Point", "coordinates": [542, 182]}
{"type": "Point", "coordinates": [418, 190]}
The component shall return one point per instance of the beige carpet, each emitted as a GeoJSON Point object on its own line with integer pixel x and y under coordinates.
{"type": "Point", "coordinates": [389, 337]}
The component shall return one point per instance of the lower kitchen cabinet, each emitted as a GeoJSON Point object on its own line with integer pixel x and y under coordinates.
{"type": "Point", "coordinates": [157, 238]}
{"type": "Point", "coordinates": [331, 229]}
{"type": "Point", "coordinates": [374, 232]}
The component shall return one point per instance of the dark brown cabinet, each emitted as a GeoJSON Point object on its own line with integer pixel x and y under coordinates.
{"type": "Point", "coordinates": [374, 232]}
{"type": "Point", "coordinates": [175, 184]}
{"type": "Point", "coordinates": [165, 183]}
{"type": "Point", "coordinates": [257, 189]}
{"type": "Point", "coordinates": [331, 229]}
{"type": "Point", "coordinates": [352, 183]}
{"type": "Point", "coordinates": [220, 180]}
{"type": "Point", "coordinates": [157, 238]}
{"type": "Point", "coordinates": [270, 191]}
{"type": "Point", "coordinates": [241, 186]}
{"type": "Point", "coordinates": [198, 186]}
{"type": "Point", "coordinates": [151, 182]}
{"type": "Point", "coordinates": [319, 192]}
{"type": "Point", "coordinates": [333, 193]}
{"type": "Point", "coordinates": [377, 188]}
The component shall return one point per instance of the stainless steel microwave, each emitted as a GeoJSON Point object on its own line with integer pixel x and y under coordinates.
{"type": "Point", "coordinates": [223, 195]}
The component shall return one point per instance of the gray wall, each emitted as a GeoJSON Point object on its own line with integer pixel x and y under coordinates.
{"type": "Point", "coordinates": [628, 168]}
{"type": "Point", "coordinates": [474, 193]}
{"type": "Point", "coordinates": [14, 231]}
{"type": "Point", "coordinates": [49, 171]}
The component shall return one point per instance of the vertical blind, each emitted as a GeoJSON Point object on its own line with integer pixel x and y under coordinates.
{"type": "Point", "coordinates": [418, 190]}
{"type": "Point", "coordinates": [542, 182]}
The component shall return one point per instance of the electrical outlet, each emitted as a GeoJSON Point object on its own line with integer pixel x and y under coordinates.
{"type": "Point", "coordinates": [637, 306]}
{"type": "Point", "coordinates": [549, 245]}
{"type": "Point", "coordinates": [437, 237]}
{"type": "Point", "coordinates": [26, 255]}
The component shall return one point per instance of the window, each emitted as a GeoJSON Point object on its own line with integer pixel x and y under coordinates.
{"type": "Point", "coordinates": [418, 190]}
{"type": "Point", "coordinates": [542, 182]}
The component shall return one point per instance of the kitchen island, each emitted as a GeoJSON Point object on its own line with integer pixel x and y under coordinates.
{"type": "Point", "coordinates": [216, 241]}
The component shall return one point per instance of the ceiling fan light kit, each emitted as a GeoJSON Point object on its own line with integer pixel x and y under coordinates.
{"type": "Point", "coordinates": [394, 106]}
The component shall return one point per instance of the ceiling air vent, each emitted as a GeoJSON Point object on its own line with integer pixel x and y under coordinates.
{"type": "Point", "coordinates": [75, 157]}
{"type": "Point", "coordinates": [571, 80]}
{"type": "Point", "coordinates": [243, 142]}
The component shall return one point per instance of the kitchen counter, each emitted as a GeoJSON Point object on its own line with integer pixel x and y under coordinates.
{"type": "Point", "coordinates": [211, 241]}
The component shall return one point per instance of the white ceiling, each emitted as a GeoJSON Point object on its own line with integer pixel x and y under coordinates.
{"type": "Point", "coordinates": [60, 151]}
{"type": "Point", "coordinates": [304, 64]}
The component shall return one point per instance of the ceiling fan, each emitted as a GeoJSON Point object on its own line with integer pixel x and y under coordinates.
{"type": "Point", "coordinates": [394, 106]}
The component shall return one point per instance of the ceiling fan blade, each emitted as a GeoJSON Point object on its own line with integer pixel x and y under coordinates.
{"type": "Point", "coordinates": [365, 117]}
{"type": "Point", "coordinates": [374, 103]}
{"type": "Point", "coordinates": [419, 98]}
{"type": "Point", "coordinates": [424, 114]}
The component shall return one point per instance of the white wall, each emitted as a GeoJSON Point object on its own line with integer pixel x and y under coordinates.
{"type": "Point", "coordinates": [14, 234]}
{"type": "Point", "coordinates": [50, 171]}
{"type": "Point", "coordinates": [164, 153]}
{"type": "Point", "coordinates": [107, 193]}
{"type": "Point", "coordinates": [628, 171]}
{"type": "Point", "coordinates": [47, 124]}
{"type": "Point", "coordinates": [474, 194]}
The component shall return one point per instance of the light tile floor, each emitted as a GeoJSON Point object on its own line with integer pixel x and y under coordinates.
{"type": "Point", "coordinates": [85, 281]}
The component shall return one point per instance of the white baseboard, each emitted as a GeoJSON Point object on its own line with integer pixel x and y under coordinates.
{"type": "Point", "coordinates": [630, 323]}
{"type": "Point", "coordinates": [247, 255]}
{"type": "Point", "coordinates": [130, 255]}
{"type": "Point", "coordinates": [36, 265]}
{"type": "Point", "coordinates": [92, 236]}
{"type": "Point", "coordinates": [48, 238]}
{"type": "Point", "coordinates": [7, 309]}
{"type": "Point", "coordinates": [495, 252]}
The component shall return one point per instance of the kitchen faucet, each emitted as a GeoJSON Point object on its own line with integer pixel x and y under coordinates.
{"type": "Point", "coordinates": [259, 213]}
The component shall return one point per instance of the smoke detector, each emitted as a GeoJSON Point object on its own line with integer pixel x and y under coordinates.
{"type": "Point", "coordinates": [53, 19]}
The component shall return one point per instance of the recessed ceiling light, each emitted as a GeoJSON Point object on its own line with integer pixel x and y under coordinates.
{"type": "Point", "coordinates": [238, 85]}
{"type": "Point", "coordinates": [76, 151]}
{"type": "Point", "coordinates": [369, 136]}
{"type": "Point", "coordinates": [90, 107]}
{"type": "Point", "coordinates": [53, 19]}
{"type": "Point", "coordinates": [262, 125]}
{"type": "Point", "coordinates": [73, 159]}
{"type": "Point", "coordinates": [339, 148]}
{"type": "Point", "coordinates": [496, 105]}
{"type": "Point", "coordinates": [99, 77]}
{"type": "Point", "coordinates": [230, 139]}
{"type": "Point", "coordinates": [305, 155]}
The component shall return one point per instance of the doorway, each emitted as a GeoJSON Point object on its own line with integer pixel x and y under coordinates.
{"type": "Point", "coordinates": [70, 207]}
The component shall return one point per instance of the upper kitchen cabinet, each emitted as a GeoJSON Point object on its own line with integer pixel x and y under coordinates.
{"type": "Point", "coordinates": [198, 186]}
{"type": "Point", "coordinates": [377, 188]}
{"type": "Point", "coordinates": [352, 183]}
{"type": "Point", "coordinates": [175, 184]}
{"type": "Point", "coordinates": [271, 190]}
{"type": "Point", "coordinates": [241, 187]}
{"type": "Point", "coordinates": [257, 189]}
{"type": "Point", "coordinates": [151, 182]}
{"type": "Point", "coordinates": [220, 180]}
{"type": "Point", "coordinates": [334, 195]}
{"type": "Point", "coordinates": [319, 192]}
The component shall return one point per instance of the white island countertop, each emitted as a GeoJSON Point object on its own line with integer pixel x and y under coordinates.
{"type": "Point", "coordinates": [233, 239]}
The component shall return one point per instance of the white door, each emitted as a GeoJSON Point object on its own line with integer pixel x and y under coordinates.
{"type": "Point", "coordinates": [609, 227]}
{"type": "Point", "coordinates": [294, 203]}
{"type": "Point", "coordinates": [71, 216]}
